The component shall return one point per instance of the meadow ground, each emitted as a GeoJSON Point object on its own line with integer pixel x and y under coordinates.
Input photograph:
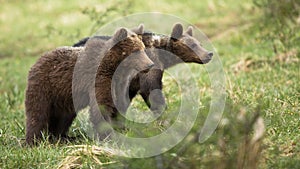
{"type": "Point", "coordinates": [260, 62]}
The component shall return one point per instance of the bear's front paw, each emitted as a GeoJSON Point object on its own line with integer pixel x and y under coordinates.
{"type": "Point", "coordinates": [157, 101]}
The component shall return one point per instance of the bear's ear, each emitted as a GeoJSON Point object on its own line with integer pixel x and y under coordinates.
{"type": "Point", "coordinates": [139, 30]}
{"type": "Point", "coordinates": [121, 34]}
{"type": "Point", "coordinates": [189, 31]}
{"type": "Point", "coordinates": [177, 31]}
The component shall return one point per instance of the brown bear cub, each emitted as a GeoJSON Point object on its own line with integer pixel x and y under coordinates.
{"type": "Point", "coordinates": [160, 49]}
{"type": "Point", "coordinates": [49, 102]}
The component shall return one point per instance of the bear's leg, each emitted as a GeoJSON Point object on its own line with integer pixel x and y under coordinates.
{"type": "Point", "coordinates": [155, 100]}
{"type": "Point", "coordinates": [101, 119]}
{"type": "Point", "coordinates": [134, 87]}
{"type": "Point", "coordinates": [60, 122]}
{"type": "Point", "coordinates": [151, 90]}
{"type": "Point", "coordinates": [38, 110]}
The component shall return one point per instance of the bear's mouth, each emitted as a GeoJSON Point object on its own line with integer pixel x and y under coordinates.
{"type": "Point", "coordinates": [204, 61]}
{"type": "Point", "coordinates": [208, 57]}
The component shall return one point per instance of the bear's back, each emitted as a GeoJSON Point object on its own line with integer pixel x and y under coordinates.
{"type": "Point", "coordinates": [55, 68]}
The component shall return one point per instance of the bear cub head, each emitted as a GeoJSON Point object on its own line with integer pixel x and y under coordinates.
{"type": "Point", "coordinates": [126, 46]}
{"type": "Point", "coordinates": [187, 47]}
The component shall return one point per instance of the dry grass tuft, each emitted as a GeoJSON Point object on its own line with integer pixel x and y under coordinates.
{"type": "Point", "coordinates": [75, 157]}
{"type": "Point", "coordinates": [288, 57]}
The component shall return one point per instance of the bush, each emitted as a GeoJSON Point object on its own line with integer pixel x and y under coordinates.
{"type": "Point", "coordinates": [282, 11]}
{"type": "Point", "coordinates": [280, 22]}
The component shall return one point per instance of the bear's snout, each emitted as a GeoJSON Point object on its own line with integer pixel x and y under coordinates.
{"type": "Point", "coordinates": [147, 67]}
{"type": "Point", "coordinates": [145, 62]}
{"type": "Point", "coordinates": [207, 57]}
{"type": "Point", "coordinates": [150, 65]}
{"type": "Point", "coordinates": [210, 55]}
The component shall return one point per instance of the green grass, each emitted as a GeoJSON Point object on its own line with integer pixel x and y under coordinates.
{"type": "Point", "coordinates": [259, 80]}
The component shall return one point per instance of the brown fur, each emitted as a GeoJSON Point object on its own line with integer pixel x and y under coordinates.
{"type": "Point", "coordinates": [182, 44]}
{"type": "Point", "coordinates": [49, 104]}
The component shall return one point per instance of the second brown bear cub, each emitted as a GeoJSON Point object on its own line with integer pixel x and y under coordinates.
{"type": "Point", "coordinates": [49, 103]}
{"type": "Point", "coordinates": [161, 49]}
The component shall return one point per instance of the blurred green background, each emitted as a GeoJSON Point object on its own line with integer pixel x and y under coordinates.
{"type": "Point", "coordinates": [258, 44]}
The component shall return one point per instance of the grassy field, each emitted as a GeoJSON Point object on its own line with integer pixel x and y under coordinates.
{"type": "Point", "coordinates": [262, 71]}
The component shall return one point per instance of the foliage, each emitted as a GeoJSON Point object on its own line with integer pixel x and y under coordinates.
{"type": "Point", "coordinates": [281, 11]}
{"type": "Point", "coordinates": [280, 22]}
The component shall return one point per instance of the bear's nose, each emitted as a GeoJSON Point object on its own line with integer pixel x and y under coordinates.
{"type": "Point", "coordinates": [210, 54]}
{"type": "Point", "coordinates": [150, 65]}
